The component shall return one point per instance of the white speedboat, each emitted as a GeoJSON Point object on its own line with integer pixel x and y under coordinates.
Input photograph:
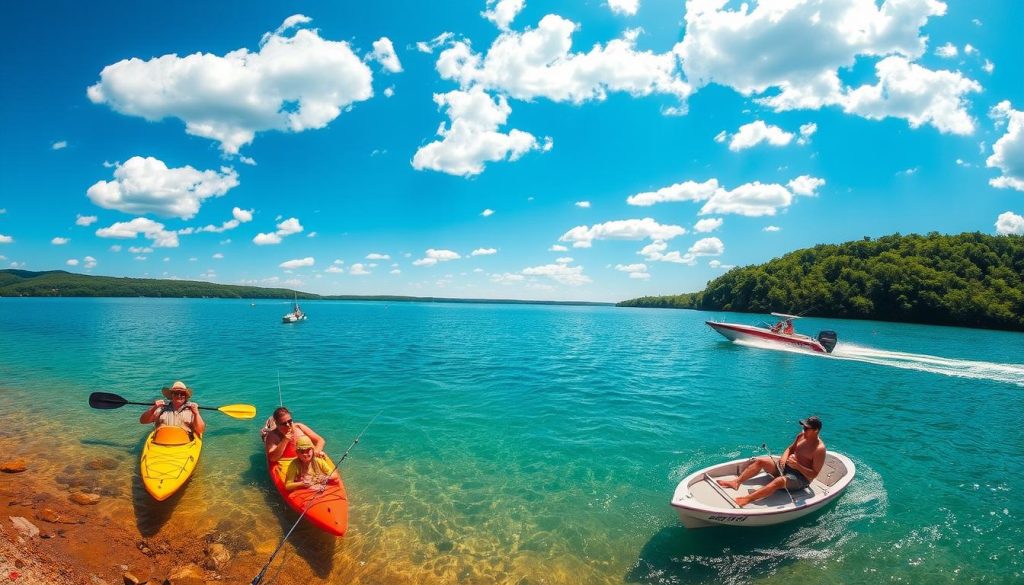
{"type": "Point", "coordinates": [701, 502]}
{"type": "Point", "coordinates": [782, 332]}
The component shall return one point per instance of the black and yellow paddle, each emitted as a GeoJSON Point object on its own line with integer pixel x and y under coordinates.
{"type": "Point", "coordinates": [108, 401]}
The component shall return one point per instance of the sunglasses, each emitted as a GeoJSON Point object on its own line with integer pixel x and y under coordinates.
{"type": "Point", "coordinates": [285, 422]}
{"type": "Point", "coordinates": [304, 450]}
{"type": "Point", "coordinates": [179, 393]}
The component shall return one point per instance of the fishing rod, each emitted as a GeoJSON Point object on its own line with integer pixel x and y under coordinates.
{"type": "Point", "coordinates": [309, 503]}
{"type": "Point", "coordinates": [779, 468]}
{"type": "Point", "coordinates": [280, 401]}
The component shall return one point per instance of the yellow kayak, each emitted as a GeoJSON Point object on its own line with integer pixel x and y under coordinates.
{"type": "Point", "coordinates": [168, 459]}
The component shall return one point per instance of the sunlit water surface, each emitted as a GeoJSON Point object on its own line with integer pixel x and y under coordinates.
{"type": "Point", "coordinates": [541, 444]}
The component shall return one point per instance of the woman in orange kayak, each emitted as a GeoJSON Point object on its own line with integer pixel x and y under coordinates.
{"type": "Point", "coordinates": [307, 470]}
{"type": "Point", "coordinates": [281, 441]}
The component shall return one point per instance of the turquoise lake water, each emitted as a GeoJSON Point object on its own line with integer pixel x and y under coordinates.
{"type": "Point", "coordinates": [530, 444]}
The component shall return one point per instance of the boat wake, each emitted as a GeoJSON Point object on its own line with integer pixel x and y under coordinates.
{"type": "Point", "coordinates": [1009, 373]}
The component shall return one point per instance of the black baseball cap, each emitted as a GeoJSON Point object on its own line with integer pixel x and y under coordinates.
{"type": "Point", "coordinates": [811, 422]}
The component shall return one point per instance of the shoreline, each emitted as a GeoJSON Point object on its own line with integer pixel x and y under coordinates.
{"type": "Point", "coordinates": [76, 526]}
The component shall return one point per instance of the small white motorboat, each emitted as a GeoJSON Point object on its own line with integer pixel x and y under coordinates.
{"type": "Point", "coordinates": [701, 502]}
{"type": "Point", "coordinates": [782, 332]}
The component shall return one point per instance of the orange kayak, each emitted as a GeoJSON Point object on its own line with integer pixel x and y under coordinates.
{"type": "Point", "coordinates": [329, 510]}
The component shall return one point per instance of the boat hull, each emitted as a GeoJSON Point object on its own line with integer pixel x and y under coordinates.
{"type": "Point", "coordinates": [166, 467]}
{"type": "Point", "coordinates": [737, 332]}
{"type": "Point", "coordinates": [328, 512]}
{"type": "Point", "coordinates": [700, 503]}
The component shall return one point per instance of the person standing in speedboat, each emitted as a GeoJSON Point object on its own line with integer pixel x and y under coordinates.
{"type": "Point", "coordinates": [800, 464]}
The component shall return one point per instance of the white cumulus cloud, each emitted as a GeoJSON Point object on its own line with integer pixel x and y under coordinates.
{"type": "Point", "coordinates": [433, 256]}
{"type": "Point", "coordinates": [1008, 151]}
{"type": "Point", "coordinates": [378, 256]}
{"type": "Point", "coordinates": [297, 263]}
{"type": "Point", "coordinates": [59, 241]}
{"type": "Point", "coordinates": [483, 252]}
{"type": "Point", "coordinates": [147, 185]}
{"type": "Point", "coordinates": [85, 220]}
{"type": "Point", "coordinates": [358, 269]}
{"type": "Point", "coordinates": [539, 62]}
{"type": "Point", "coordinates": [59, 145]}
{"type": "Point", "coordinates": [583, 204]}
{"type": "Point", "coordinates": [751, 199]}
{"type": "Point", "coordinates": [151, 230]}
{"type": "Point", "coordinates": [384, 53]}
{"type": "Point", "coordinates": [656, 251]}
{"type": "Point", "coordinates": [806, 131]}
{"type": "Point", "coordinates": [638, 270]}
{"type": "Point", "coordinates": [284, 229]}
{"type": "Point", "coordinates": [72, 262]}
{"type": "Point", "coordinates": [560, 273]}
{"type": "Point", "coordinates": [788, 54]}
{"type": "Point", "coordinates": [709, 224]}
{"type": "Point", "coordinates": [1010, 223]}
{"type": "Point", "coordinates": [686, 191]}
{"type": "Point", "coordinates": [473, 137]}
{"type": "Point", "coordinates": [627, 7]}
{"type": "Point", "coordinates": [947, 51]}
{"type": "Point", "coordinates": [918, 95]}
{"type": "Point", "coordinates": [292, 83]}
{"type": "Point", "coordinates": [487, 212]}
{"type": "Point", "coordinates": [502, 12]}
{"type": "Point", "coordinates": [756, 132]}
{"type": "Point", "coordinates": [806, 185]}
{"type": "Point", "coordinates": [626, 229]}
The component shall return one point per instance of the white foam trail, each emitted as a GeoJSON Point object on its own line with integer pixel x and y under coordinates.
{"type": "Point", "coordinates": [1010, 373]}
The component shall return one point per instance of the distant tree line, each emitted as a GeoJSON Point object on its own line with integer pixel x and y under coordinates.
{"type": "Point", "coordinates": [970, 280]}
{"type": "Point", "coordinates": [58, 283]}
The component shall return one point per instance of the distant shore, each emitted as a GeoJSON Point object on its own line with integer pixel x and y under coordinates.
{"type": "Point", "coordinates": [59, 283]}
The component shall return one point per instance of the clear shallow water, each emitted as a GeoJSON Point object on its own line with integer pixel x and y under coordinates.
{"type": "Point", "coordinates": [544, 442]}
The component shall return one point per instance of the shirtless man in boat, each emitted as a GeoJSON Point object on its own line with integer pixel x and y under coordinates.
{"type": "Point", "coordinates": [800, 464]}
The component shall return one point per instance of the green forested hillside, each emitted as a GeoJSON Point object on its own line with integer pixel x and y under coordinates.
{"type": "Point", "coordinates": [58, 283]}
{"type": "Point", "coordinates": [971, 280]}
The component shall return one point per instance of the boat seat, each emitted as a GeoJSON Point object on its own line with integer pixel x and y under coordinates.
{"type": "Point", "coordinates": [170, 435]}
{"type": "Point", "coordinates": [831, 472]}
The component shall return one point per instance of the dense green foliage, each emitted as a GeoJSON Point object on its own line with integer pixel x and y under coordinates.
{"type": "Point", "coordinates": [58, 283]}
{"type": "Point", "coordinates": [971, 280]}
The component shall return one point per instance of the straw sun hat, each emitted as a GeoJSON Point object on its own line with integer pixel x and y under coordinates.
{"type": "Point", "coordinates": [179, 385]}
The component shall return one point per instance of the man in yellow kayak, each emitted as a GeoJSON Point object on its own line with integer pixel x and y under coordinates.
{"type": "Point", "coordinates": [179, 412]}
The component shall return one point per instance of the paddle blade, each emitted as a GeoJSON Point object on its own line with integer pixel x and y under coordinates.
{"type": "Point", "coordinates": [106, 401]}
{"type": "Point", "coordinates": [239, 410]}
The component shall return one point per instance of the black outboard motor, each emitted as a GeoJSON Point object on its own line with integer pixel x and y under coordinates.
{"type": "Point", "coordinates": [828, 340]}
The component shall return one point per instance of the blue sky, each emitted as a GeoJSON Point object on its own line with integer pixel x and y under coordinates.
{"type": "Point", "coordinates": [596, 150]}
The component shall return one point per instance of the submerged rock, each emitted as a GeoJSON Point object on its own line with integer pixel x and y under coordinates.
{"type": "Point", "coordinates": [102, 463]}
{"type": "Point", "coordinates": [85, 499]}
{"type": "Point", "coordinates": [13, 466]}
{"type": "Point", "coordinates": [24, 527]}
{"type": "Point", "coordinates": [187, 575]}
{"type": "Point", "coordinates": [217, 555]}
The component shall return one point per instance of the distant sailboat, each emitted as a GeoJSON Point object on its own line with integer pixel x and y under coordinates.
{"type": "Point", "coordinates": [296, 315]}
